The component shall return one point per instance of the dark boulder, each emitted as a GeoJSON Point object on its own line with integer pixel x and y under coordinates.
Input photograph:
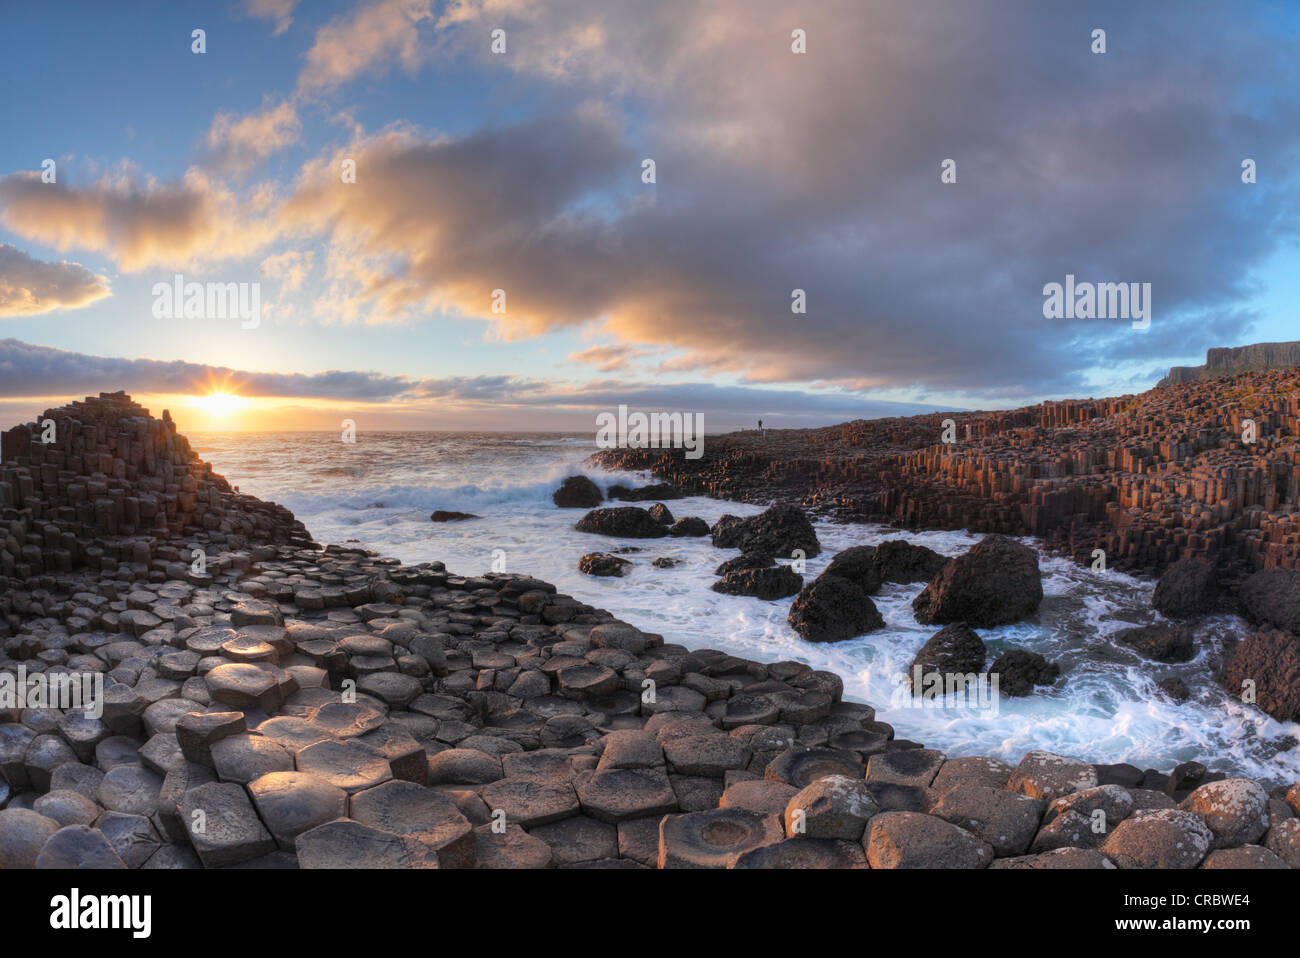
{"type": "Point", "coordinates": [995, 583]}
{"type": "Point", "coordinates": [690, 526]}
{"type": "Point", "coordinates": [832, 609]}
{"type": "Point", "coordinates": [602, 563]}
{"type": "Point", "coordinates": [659, 490]}
{"type": "Point", "coordinates": [746, 560]}
{"type": "Point", "coordinates": [899, 561]}
{"type": "Point", "coordinates": [1188, 587]}
{"type": "Point", "coordinates": [1271, 661]}
{"type": "Point", "coordinates": [630, 522]}
{"type": "Point", "coordinates": [659, 512]}
{"type": "Point", "coordinates": [1272, 598]}
{"type": "Point", "coordinates": [1163, 643]}
{"type": "Point", "coordinates": [1019, 670]}
{"type": "Point", "coordinates": [1175, 688]}
{"type": "Point", "coordinates": [777, 532]}
{"type": "Point", "coordinates": [442, 515]}
{"type": "Point", "coordinates": [577, 492]}
{"type": "Point", "coordinates": [778, 582]}
{"type": "Point", "coordinates": [953, 650]}
{"type": "Point", "coordinates": [665, 562]}
{"type": "Point", "coordinates": [858, 565]}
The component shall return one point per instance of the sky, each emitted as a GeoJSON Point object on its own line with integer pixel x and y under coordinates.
{"type": "Point", "coordinates": [919, 170]}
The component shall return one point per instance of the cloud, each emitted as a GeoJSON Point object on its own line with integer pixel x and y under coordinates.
{"type": "Point", "coordinates": [30, 286]}
{"type": "Point", "coordinates": [237, 142]}
{"type": "Point", "coordinates": [30, 370]}
{"type": "Point", "coordinates": [448, 221]}
{"type": "Point", "coordinates": [278, 11]}
{"type": "Point", "coordinates": [607, 358]}
{"type": "Point", "coordinates": [366, 41]}
{"type": "Point", "coordinates": [290, 268]}
{"type": "Point", "coordinates": [193, 220]}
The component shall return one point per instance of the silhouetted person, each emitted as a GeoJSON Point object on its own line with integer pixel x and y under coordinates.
{"type": "Point", "coordinates": [760, 427]}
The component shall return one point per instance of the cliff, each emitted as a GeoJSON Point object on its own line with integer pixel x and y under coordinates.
{"type": "Point", "coordinates": [1230, 360]}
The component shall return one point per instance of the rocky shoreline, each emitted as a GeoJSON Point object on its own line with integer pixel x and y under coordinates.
{"type": "Point", "coordinates": [1206, 469]}
{"type": "Point", "coordinates": [281, 705]}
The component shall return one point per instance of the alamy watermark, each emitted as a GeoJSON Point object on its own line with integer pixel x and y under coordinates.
{"type": "Point", "coordinates": [193, 300]}
{"type": "Point", "coordinates": [949, 690]}
{"type": "Point", "coordinates": [1073, 300]}
{"type": "Point", "coordinates": [53, 690]}
{"type": "Point", "coordinates": [656, 430]}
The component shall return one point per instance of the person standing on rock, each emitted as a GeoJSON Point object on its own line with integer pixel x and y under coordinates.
{"type": "Point", "coordinates": [760, 428]}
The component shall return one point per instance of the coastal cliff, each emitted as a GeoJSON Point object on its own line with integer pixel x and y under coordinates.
{"type": "Point", "coordinates": [1230, 360]}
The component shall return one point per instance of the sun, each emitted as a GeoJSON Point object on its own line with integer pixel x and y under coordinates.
{"type": "Point", "coordinates": [219, 404]}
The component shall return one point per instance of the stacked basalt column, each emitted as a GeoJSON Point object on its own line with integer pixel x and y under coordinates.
{"type": "Point", "coordinates": [112, 486]}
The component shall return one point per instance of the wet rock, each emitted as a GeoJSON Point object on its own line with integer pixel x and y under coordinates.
{"type": "Point", "coordinates": [577, 492]}
{"type": "Point", "coordinates": [1267, 663]}
{"type": "Point", "coordinates": [997, 582]}
{"type": "Point", "coordinates": [913, 840]}
{"type": "Point", "coordinates": [660, 513]}
{"type": "Point", "coordinates": [1175, 688]}
{"type": "Point", "coordinates": [1163, 643]}
{"type": "Point", "coordinates": [658, 490]}
{"type": "Point", "coordinates": [954, 650]}
{"type": "Point", "coordinates": [858, 565]}
{"type": "Point", "coordinates": [602, 563]}
{"type": "Point", "coordinates": [1187, 588]}
{"type": "Point", "coordinates": [1271, 598]}
{"type": "Point", "coordinates": [779, 531]}
{"type": "Point", "coordinates": [833, 609]}
{"type": "Point", "coordinates": [746, 560]}
{"type": "Point", "coordinates": [1019, 670]}
{"type": "Point", "coordinates": [778, 582]}
{"type": "Point", "coordinates": [691, 526]}
{"type": "Point", "coordinates": [624, 522]}
{"type": "Point", "coordinates": [444, 515]}
{"type": "Point", "coordinates": [898, 560]}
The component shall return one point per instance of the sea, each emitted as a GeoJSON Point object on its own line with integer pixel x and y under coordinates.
{"type": "Point", "coordinates": [379, 491]}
